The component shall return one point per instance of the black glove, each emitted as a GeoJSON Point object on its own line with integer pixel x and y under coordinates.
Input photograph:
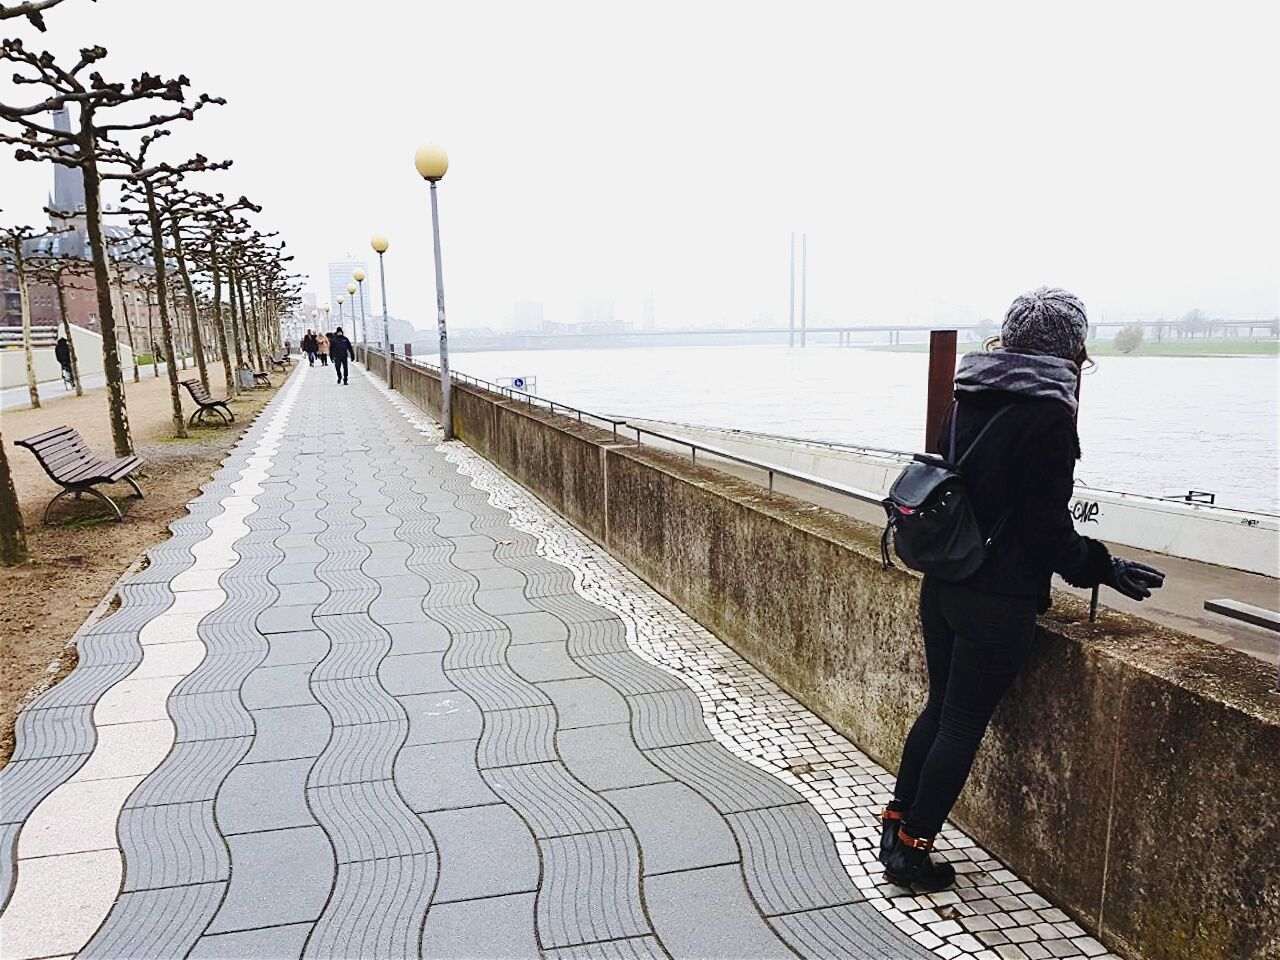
{"type": "Point", "coordinates": [1135, 580]}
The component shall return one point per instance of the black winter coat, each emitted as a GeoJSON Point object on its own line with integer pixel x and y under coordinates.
{"type": "Point", "coordinates": [340, 348]}
{"type": "Point", "coordinates": [1025, 465]}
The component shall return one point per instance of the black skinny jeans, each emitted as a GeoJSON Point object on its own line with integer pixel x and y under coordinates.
{"type": "Point", "coordinates": [340, 366]}
{"type": "Point", "coordinates": [975, 644]}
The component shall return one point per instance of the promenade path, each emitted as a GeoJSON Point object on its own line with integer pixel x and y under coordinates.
{"type": "Point", "coordinates": [374, 700]}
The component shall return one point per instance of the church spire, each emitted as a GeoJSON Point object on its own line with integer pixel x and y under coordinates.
{"type": "Point", "coordinates": [68, 187]}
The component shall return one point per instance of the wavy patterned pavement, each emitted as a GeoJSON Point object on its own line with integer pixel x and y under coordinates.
{"type": "Point", "coordinates": [374, 700]}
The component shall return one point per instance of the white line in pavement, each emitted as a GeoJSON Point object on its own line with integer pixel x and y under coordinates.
{"type": "Point", "coordinates": [70, 865]}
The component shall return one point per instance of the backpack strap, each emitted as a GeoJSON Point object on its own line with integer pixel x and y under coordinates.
{"type": "Point", "coordinates": [981, 433]}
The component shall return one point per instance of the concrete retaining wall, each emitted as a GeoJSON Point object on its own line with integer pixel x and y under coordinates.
{"type": "Point", "coordinates": [13, 364]}
{"type": "Point", "coordinates": [1131, 774]}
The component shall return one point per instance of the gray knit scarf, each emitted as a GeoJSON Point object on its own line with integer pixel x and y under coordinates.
{"type": "Point", "coordinates": [1032, 374]}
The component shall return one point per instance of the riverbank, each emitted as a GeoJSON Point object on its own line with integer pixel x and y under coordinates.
{"type": "Point", "coordinates": [77, 560]}
{"type": "Point", "coordinates": [1186, 347]}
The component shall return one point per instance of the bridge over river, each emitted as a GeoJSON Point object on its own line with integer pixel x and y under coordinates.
{"type": "Point", "coordinates": [843, 334]}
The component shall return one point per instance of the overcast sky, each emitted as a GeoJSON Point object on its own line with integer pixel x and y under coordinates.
{"type": "Point", "coordinates": [941, 157]}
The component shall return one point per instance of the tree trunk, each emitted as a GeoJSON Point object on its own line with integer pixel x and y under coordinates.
{"type": "Point", "coordinates": [66, 326]}
{"type": "Point", "coordinates": [13, 540]}
{"type": "Point", "coordinates": [151, 339]}
{"type": "Point", "coordinates": [242, 350]}
{"type": "Point", "coordinates": [166, 331]}
{"type": "Point", "coordinates": [235, 323]}
{"type": "Point", "coordinates": [218, 329]}
{"type": "Point", "coordinates": [33, 390]}
{"type": "Point", "coordinates": [128, 324]}
{"type": "Point", "coordinates": [197, 345]}
{"type": "Point", "coordinates": [117, 412]}
{"type": "Point", "coordinates": [250, 346]}
{"type": "Point", "coordinates": [251, 321]}
{"type": "Point", "coordinates": [180, 330]}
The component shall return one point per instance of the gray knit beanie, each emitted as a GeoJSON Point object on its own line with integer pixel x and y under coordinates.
{"type": "Point", "coordinates": [1047, 321]}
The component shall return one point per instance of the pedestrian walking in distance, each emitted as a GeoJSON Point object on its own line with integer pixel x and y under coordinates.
{"type": "Point", "coordinates": [978, 627]}
{"type": "Point", "coordinates": [62, 353]}
{"type": "Point", "coordinates": [309, 347]}
{"type": "Point", "coordinates": [322, 348]}
{"type": "Point", "coordinates": [342, 351]}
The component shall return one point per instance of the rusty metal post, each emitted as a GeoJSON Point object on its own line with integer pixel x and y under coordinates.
{"type": "Point", "coordinates": [942, 376]}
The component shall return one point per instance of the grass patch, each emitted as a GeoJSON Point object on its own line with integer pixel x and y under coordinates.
{"type": "Point", "coordinates": [86, 523]}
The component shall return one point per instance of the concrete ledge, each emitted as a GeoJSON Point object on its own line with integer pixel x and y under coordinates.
{"type": "Point", "coordinates": [1132, 772]}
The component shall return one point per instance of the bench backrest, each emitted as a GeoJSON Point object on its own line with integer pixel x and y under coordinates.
{"type": "Point", "coordinates": [60, 451]}
{"type": "Point", "coordinates": [198, 393]}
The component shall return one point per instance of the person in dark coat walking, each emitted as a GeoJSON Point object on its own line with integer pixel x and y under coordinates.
{"type": "Point", "coordinates": [340, 351]}
{"type": "Point", "coordinates": [62, 353]}
{"type": "Point", "coordinates": [978, 631]}
{"type": "Point", "coordinates": [309, 347]}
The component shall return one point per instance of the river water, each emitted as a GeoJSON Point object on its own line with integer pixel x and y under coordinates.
{"type": "Point", "coordinates": [1159, 426]}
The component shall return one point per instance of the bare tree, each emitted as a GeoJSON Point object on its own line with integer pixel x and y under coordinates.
{"type": "Point", "coordinates": [149, 288]}
{"type": "Point", "coordinates": [207, 223]}
{"type": "Point", "coordinates": [1129, 339]}
{"type": "Point", "coordinates": [52, 267]}
{"type": "Point", "coordinates": [103, 115]}
{"type": "Point", "coordinates": [144, 178]}
{"type": "Point", "coordinates": [13, 539]}
{"type": "Point", "coordinates": [14, 238]}
{"type": "Point", "coordinates": [180, 206]}
{"type": "Point", "coordinates": [33, 10]}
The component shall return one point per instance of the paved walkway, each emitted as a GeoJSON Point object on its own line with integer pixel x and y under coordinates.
{"type": "Point", "coordinates": [374, 700]}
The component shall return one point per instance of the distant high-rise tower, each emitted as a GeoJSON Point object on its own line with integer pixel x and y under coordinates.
{"type": "Point", "coordinates": [596, 312]}
{"type": "Point", "coordinates": [528, 315]}
{"type": "Point", "coordinates": [648, 322]}
{"type": "Point", "coordinates": [340, 272]}
{"type": "Point", "coordinates": [68, 184]}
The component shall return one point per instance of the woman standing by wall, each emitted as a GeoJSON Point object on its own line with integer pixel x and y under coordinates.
{"type": "Point", "coordinates": [978, 631]}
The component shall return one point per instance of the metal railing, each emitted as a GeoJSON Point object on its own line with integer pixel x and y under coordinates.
{"type": "Point", "coordinates": [41, 336]}
{"type": "Point", "coordinates": [771, 471]}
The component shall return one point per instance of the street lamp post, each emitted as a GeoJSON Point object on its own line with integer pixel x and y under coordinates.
{"type": "Point", "coordinates": [380, 244]}
{"type": "Point", "coordinates": [351, 289]}
{"type": "Point", "coordinates": [325, 308]}
{"type": "Point", "coordinates": [364, 323]}
{"type": "Point", "coordinates": [340, 299]}
{"type": "Point", "coordinates": [432, 163]}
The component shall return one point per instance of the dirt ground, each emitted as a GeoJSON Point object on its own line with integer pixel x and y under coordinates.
{"type": "Point", "coordinates": [78, 559]}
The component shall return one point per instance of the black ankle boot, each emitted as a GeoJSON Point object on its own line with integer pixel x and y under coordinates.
{"type": "Point", "coordinates": [908, 864]}
{"type": "Point", "coordinates": [890, 821]}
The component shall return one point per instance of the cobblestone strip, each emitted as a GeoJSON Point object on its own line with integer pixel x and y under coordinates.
{"type": "Point", "coordinates": [70, 866]}
{"type": "Point", "coordinates": [991, 914]}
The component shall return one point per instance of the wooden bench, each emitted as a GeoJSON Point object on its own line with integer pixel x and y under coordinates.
{"type": "Point", "coordinates": [206, 404]}
{"type": "Point", "coordinates": [67, 460]}
{"type": "Point", "coordinates": [260, 377]}
{"type": "Point", "coordinates": [282, 361]}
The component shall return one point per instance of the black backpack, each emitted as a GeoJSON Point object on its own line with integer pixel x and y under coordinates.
{"type": "Point", "coordinates": [931, 521]}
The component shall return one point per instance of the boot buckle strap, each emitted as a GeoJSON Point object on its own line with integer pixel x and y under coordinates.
{"type": "Point", "coordinates": [915, 843]}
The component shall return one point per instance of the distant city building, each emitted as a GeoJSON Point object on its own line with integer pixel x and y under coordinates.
{"type": "Point", "coordinates": [68, 239]}
{"type": "Point", "coordinates": [527, 316]}
{"type": "Point", "coordinates": [596, 312]}
{"type": "Point", "coordinates": [648, 322]}
{"type": "Point", "coordinates": [340, 272]}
